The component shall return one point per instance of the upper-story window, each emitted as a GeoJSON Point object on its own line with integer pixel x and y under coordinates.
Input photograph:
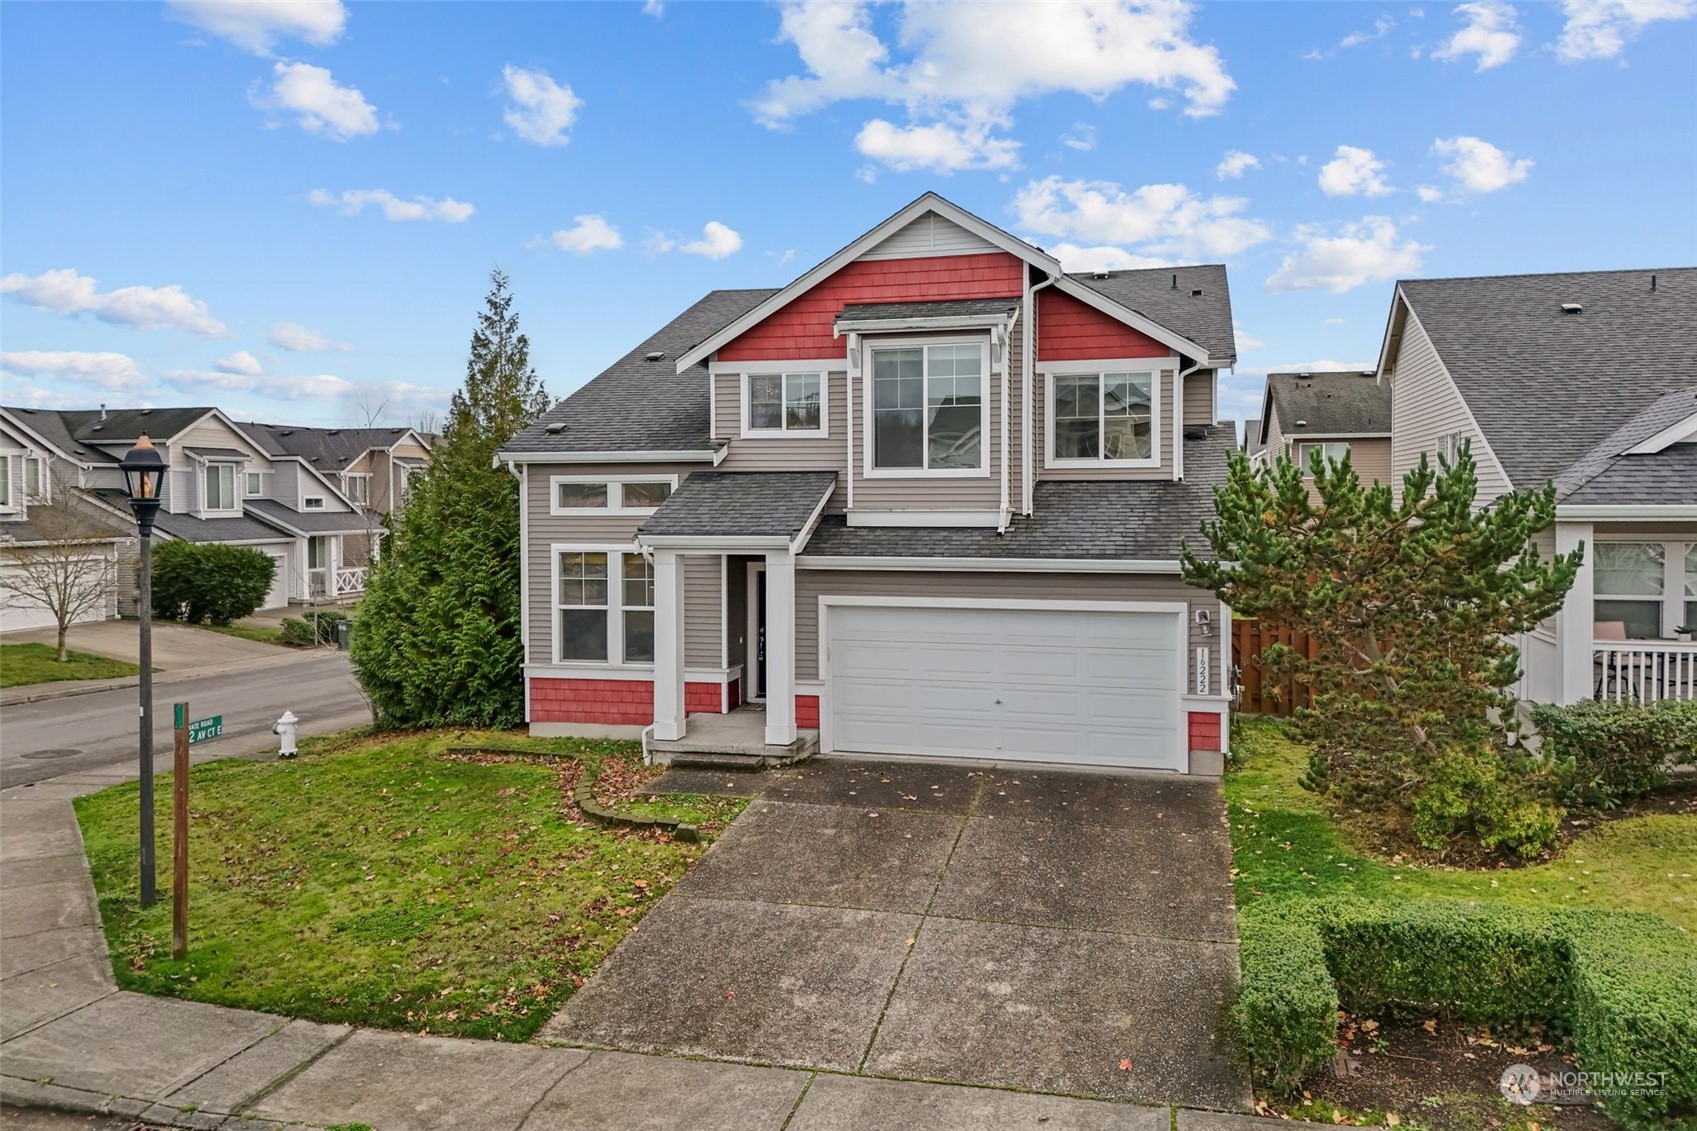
{"type": "Point", "coordinates": [5, 481]}
{"type": "Point", "coordinates": [1449, 446]}
{"type": "Point", "coordinates": [1330, 451]}
{"type": "Point", "coordinates": [32, 477]}
{"type": "Point", "coordinates": [1103, 418]}
{"type": "Point", "coordinates": [359, 489]}
{"type": "Point", "coordinates": [583, 494]}
{"type": "Point", "coordinates": [784, 404]}
{"type": "Point", "coordinates": [928, 409]}
{"type": "Point", "coordinates": [220, 488]}
{"type": "Point", "coordinates": [251, 486]}
{"type": "Point", "coordinates": [312, 503]}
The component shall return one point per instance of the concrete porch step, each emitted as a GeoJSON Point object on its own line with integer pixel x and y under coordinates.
{"type": "Point", "coordinates": [709, 753]}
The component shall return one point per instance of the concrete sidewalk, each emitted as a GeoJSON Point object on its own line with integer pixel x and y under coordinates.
{"type": "Point", "coordinates": [72, 1040]}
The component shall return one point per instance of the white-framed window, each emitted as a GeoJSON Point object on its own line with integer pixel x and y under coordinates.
{"type": "Point", "coordinates": [1332, 451]}
{"type": "Point", "coordinates": [1449, 447]}
{"type": "Point", "coordinates": [251, 485]}
{"type": "Point", "coordinates": [636, 600]}
{"type": "Point", "coordinates": [359, 489]}
{"type": "Point", "coordinates": [604, 606]}
{"type": "Point", "coordinates": [1104, 417]}
{"type": "Point", "coordinates": [312, 502]}
{"type": "Point", "coordinates": [5, 481]}
{"type": "Point", "coordinates": [220, 488]}
{"type": "Point", "coordinates": [784, 404]}
{"type": "Point", "coordinates": [928, 409]}
{"type": "Point", "coordinates": [594, 494]}
{"type": "Point", "coordinates": [583, 588]}
{"type": "Point", "coordinates": [32, 477]}
{"type": "Point", "coordinates": [1690, 621]}
{"type": "Point", "coordinates": [1648, 587]}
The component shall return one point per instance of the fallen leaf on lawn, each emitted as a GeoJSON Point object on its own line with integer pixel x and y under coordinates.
{"type": "Point", "coordinates": [1369, 1026]}
{"type": "Point", "coordinates": [1125, 1065]}
{"type": "Point", "coordinates": [1392, 1119]}
{"type": "Point", "coordinates": [730, 995]}
{"type": "Point", "coordinates": [1430, 1025]}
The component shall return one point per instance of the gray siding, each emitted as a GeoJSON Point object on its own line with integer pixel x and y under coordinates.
{"type": "Point", "coordinates": [1199, 397]}
{"type": "Point", "coordinates": [1163, 422]}
{"type": "Point", "coordinates": [827, 453]}
{"type": "Point", "coordinates": [704, 605]}
{"type": "Point", "coordinates": [811, 584]}
{"type": "Point", "coordinates": [1425, 404]}
{"type": "Point", "coordinates": [1275, 436]}
{"type": "Point", "coordinates": [285, 485]}
{"type": "Point", "coordinates": [929, 235]}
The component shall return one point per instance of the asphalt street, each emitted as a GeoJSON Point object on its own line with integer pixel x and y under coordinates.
{"type": "Point", "coordinates": [83, 732]}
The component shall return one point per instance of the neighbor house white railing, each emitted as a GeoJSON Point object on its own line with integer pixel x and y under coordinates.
{"type": "Point", "coordinates": [1644, 671]}
{"type": "Point", "coordinates": [350, 580]}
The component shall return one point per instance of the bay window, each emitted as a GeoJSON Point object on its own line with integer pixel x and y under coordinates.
{"type": "Point", "coordinates": [1102, 418]}
{"type": "Point", "coordinates": [784, 403]}
{"type": "Point", "coordinates": [606, 607]}
{"type": "Point", "coordinates": [1648, 588]}
{"type": "Point", "coordinates": [928, 408]}
{"type": "Point", "coordinates": [220, 488]}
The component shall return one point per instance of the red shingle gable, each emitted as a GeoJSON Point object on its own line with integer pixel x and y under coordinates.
{"type": "Point", "coordinates": [1069, 330]}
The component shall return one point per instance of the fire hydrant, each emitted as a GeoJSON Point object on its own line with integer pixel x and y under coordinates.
{"type": "Point", "coordinates": [285, 727]}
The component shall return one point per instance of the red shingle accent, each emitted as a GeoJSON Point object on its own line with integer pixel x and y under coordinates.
{"type": "Point", "coordinates": [1205, 730]}
{"type": "Point", "coordinates": [702, 699]}
{"type": "Point", "coordinates": [1068, 330]}
{"type": "Point", "coordinates": [614, 702]}
{"type": "Point", "coordinates": [807, 712]}
{"type": "Point", "coordinates": [802, 328]}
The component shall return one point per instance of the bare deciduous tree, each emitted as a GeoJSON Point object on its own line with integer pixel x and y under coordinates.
{"type": "Point", "coordinates": [64, 559]}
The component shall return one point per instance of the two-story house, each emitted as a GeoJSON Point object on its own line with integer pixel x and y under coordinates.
{"type": "Point", "coordinates": [927, 498]}
{"type": "Point", "coordinates": [1587, 380]}
{"type": "Point", "coordinates": [1334, 413]}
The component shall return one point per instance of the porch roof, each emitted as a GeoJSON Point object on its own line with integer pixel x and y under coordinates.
{"type": "Point", "coordinates": [741, 504]}
{"type": "Point", "coordinates": [307, 522]}
{"type": "Point", "coordinates": [1665, 478]}
{"type": "Point", "coordinates": [191, 528]}
{"type": "Point", "coordinates": [964, 310]}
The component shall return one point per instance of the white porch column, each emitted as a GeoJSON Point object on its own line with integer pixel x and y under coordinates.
{"type": "Point", "coordinates": [668, 645]}
{"type": "Point", "coordinates": [780, 648]}
{"type": "Point", "coordinates": [1574, 621]}
{"type": "Point", "coordinates": [332, 561]}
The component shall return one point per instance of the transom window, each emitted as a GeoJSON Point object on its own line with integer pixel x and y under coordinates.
{"type": "Point", "coordinates": [1648, 588]}
{"type": "Point", "coordinates": [606, 603]}
{"type": "Point", "coordinates": [1331, 452]}
{"type": "Point", "coordinates": [220, 488]}
{"type": "Point", "coordinates": [785, 402]}
{"type": "Point", "coordinates": [574, 495]}
{"type": "Point", "coordinates": [928, 408]}
{"type": "Point", "coordinates": [1104, 416]}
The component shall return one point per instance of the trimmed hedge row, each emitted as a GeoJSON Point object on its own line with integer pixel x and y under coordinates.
{"type": "Point", "coordinates": [1623, 985]}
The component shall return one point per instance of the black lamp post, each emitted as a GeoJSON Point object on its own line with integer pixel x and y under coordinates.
{"type": "Point", "coordinates": [144, 473]}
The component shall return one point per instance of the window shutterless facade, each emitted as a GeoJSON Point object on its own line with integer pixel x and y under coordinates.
{"type": "Point", "coordinates": [605, 599]}
{"type": "Point", "coordinates": [1330, 451]}
{"type": "Point", "coordinates": [929, 409]}
{"type": "Point", "coordinates": [583, 591]}
{"type": "Point", "coordinates": [587, 495]}
{"type": "Point", "coordinates": [1103, 415]}
{"type": "Point", "coordinates": [32, 477]}
{"type": "Point", "coordinates": [251, 486]}
{"type": "Point", "coordinates": [5, 481]}
{"type": "Point", "coordinates": [312, 503]}
{"type": "Point", "coordinates": [1650, 587]}
{"type": "Point", "coordinates": [220, 488]}
{"type": "Point", "coordinates": [783, 404]}
{"type": "Point", "coordinates": [359, 489]}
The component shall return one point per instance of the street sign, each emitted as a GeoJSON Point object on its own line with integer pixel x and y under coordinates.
{"type": "Point", "coordinates": [202, 729]}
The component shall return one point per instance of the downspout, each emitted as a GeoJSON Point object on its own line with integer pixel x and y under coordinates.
{"type": "Point", "coordinates": [1178, 420]}
{"type": "Point", "coordinates": [1003, 514]}
{"type": "Point", "coordinates": [1028, 363]}
{"type": "Point", "coordinates": [848, 413]}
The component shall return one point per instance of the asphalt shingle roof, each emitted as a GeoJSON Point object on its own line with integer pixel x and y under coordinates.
{"type": "Point", "coordinates": [244, 528]}
{"type": "Point", "coordinates": [310, 522]}
{"type": "Point", "coordinates": [1333, 404]}
{"type": "Point", "coordinates": [123, 425]}
{"type": "Point", "coordinates": [50, 425]}
{"type": "Point", "coordinates": [1205, 319]}
{"type": "Point", "coordinates": [1667, 477]}
{"type": "Point", "coordinates": [741, 503]}
{"type": "Point", "coordinates": [327, 449]}
{"type": "Point", "coordinates": [637, 405]}
{"type": "Point", "coordinates": [1548, 387]}
{"type": "Point", "coordinates": [1138, 520]}
{"type": "Point", "coordinates": [947, 308]}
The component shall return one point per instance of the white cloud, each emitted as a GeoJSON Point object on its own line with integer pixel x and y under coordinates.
{"type": "Point", "coordinates": [541, 110]}
{"type": "Point", "coordinates": [1234, 164]}
{"type": "Point", "coordinates": [111, 371]}
{"type": "Point", "coordinates": [1382, 27]}
{"type": "Point", "coordinates": [1102, 258]}
{"type": "Point", "coordinates": [1160, 222]}
{"type": "Point", "coordinates": [320, 105]}
{"type": "Point", "coordinates": [956, 67]}
{"type": "Point", "coordinates": [1491, 34]}
{"type": "Point", "coordinates": [353, 201]}
{"type": "Point", "coordinates": [315, 386]}
{"type": "Point", "coordinates": [716, 242]}
{"type": "Point", "coordinates": [241, 362]}
{"type": "Point", "coordinates": [1480, 166]}
{"type": "Point", "coordinates": [1081, 137]}
{"type": "Point", "coordinates": [1245, 340]}
{"type": "Point", "coordinates": [653, 8]}
{"type": "Point", "coordinates": [146, 308]}
{"type": "Point", "coordinates": [1601, 29]}
{"type": "Point", "coordinates": [1337, 261]}
{"type": "Point", "coordinates": [938, 148]}
{"type": "Point", "coordinates": [301, 339]}
{"type": "Point", "coordinates": [1429, 194]}
{"type": "Point", "coordinates": [1354, 171]}
{"type": "Point", "coordinates": [590, 233]}
{"type": "Point", "coordinates": [257, 25]}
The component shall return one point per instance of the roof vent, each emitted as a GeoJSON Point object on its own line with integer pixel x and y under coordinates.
{"type": "Point", "coordinates": [1302, 423]}
{"type": "Point", "coordinates": [1196, 292]}
{"type": "Point", "coordinates": [145, 411]}
{"type": "Point", "coordinates": [103, 407]}
{"type": "Point", "coordinates": [555, 428]}
{"type": "Point", "coordinates": [1175, 281]}
{"type": "Point", "coordinates": [1652, 284]}
{"type": "Point", "coordinates": [655, 355]}
{"type": "Point", "coordinates": [1099, 273]}
{"type": "Point", "coordinates": [1572, 308]}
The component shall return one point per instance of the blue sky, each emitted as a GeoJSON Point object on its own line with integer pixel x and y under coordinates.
{"type": "Point", "coordinates": [291, 209]}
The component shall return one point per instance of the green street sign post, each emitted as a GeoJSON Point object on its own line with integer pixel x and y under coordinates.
{"type": "Point", "coordinates": [202, 729]}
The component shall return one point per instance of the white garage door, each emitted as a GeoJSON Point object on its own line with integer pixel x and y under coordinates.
{"type": "Point", "coordinates": [278, 596]}
{"type": "Point", "coordinates": [1095, 687]}
{"type": "Point", "coordinates": [18, 613]}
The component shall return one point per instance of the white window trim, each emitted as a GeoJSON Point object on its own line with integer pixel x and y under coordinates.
{"type": "Point", "coordinates": [347, 483]}
{"type": "Point", "coordinates": [1296, 447]}
{"type": "Point", "coordinates": [615, 604]}
{"type": "Point", "coordinates": [308, 500]}
{"type": "Point", "coordinates": [7, 488]}
{"type": "Point", "coordinates": [1154, 366]}
{"type": "Point", "coordinates": [785, 370]}
{"type": "Point", "coordinates": [1673, 596]}
{"type": "Point", "coordinates": [260, 476]}
{"type": "Point", "coordinates": [43, 490]}
{"type": "Point", "coordinates": [868, 395]}
{"type": "Point", "coordinates": [235, 506]}
{"type": "Point", "coordinates": [615, 493]}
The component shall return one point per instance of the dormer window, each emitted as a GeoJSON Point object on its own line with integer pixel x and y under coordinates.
{"type": "Point", "coordinates": [1103, 418]}
{"type": "Point", "coordinates": [928, 409]}
{"type": "Point", "coordinates": [220, 488]}
{"type": "Point", "coordinates": [784, 404]}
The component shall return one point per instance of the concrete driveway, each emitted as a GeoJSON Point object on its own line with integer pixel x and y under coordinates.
{"type": "Point", "coordinates": [1059, 932]}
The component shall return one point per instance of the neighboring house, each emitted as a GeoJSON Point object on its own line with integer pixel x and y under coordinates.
{"type": "Point", "coordinates": [32, 470]}
{"type": "Point", "coordinates": [222, 484]}
{"type": "Point", "coordinates": [928, 498]}
{"type": "Point", "coordinates": [1587, 380]}
{"type": "Point", "coordinates": [1252, 444]}
{"type": "Point", "coordinates": [1333, 413]}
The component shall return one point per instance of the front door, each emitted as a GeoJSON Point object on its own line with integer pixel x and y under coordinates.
{"type": "Point", "coordinates": [757, 631]}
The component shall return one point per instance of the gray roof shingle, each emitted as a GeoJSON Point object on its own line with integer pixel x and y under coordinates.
{"type": "Point", "coordinates": [1667, 477]}
{"type": "Point", "coordinates": [1333, 404]}
{"type": "Point", "coordinates": [245, 528]}
{"type": "Point", "coordinates": [1548, 387]}
{"type": "Point", "coordinates": [122, 425]}
{"type": "Point", "coordinates": [309, 522]}
{"type": "Point", "coordinates": [741, 503]}
{"type": "Point", "coordinates": [637, 405]}
{"type": "Point", "coordinates": [947, 308]}
{"type": "Point", "coordinates": [327, 449]}
{"type": "Point", "coordinates": [1137, 520]}
{"type": "Point", "coordinates": [50, 425]}
{"type": "Point", "coordinates": [1205, 318]}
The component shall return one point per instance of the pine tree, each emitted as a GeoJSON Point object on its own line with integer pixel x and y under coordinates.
{"type": "Point", "coordinates": [438, 639]}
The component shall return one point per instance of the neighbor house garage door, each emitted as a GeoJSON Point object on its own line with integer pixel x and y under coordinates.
{"type": "Point", "coordinates": [1095, 686]}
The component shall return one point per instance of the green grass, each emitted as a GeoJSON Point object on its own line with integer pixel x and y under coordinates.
{"type": "Point", "coordinates": [23, 664]}
{"type": "Point", "coordinates": [1285, 846]}
{"type": "Point", "coordinates": [377, 882]}
{"type": "Point", "coordinates": [260, 633]}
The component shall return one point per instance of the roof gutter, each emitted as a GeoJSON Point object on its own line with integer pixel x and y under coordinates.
{"type": "Point", "coordinates": [713, 457]}
{"type": "Point", "coordinates": [988, 565]}
{"type": "Point", "coordinates": [1626, 512]}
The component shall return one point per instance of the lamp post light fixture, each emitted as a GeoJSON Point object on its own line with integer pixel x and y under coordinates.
{"type": "Point", "coordinates": [144, 473]}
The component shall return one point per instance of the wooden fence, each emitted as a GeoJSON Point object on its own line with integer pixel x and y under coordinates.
{"type": "Point", "coordinates": [1262, 691]}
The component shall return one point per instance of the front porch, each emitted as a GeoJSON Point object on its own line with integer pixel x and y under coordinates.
{"type": "Point", "coordinates": [732, 741]}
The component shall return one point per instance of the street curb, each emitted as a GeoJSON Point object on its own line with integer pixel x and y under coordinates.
{"type": "Point", "coordinates": [11, 697]}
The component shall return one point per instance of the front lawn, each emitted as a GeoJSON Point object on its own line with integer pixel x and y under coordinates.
{"type": "Point", "coordinates": [22, 664]}
{"type": "Point", "coordinates": [390, 881]}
